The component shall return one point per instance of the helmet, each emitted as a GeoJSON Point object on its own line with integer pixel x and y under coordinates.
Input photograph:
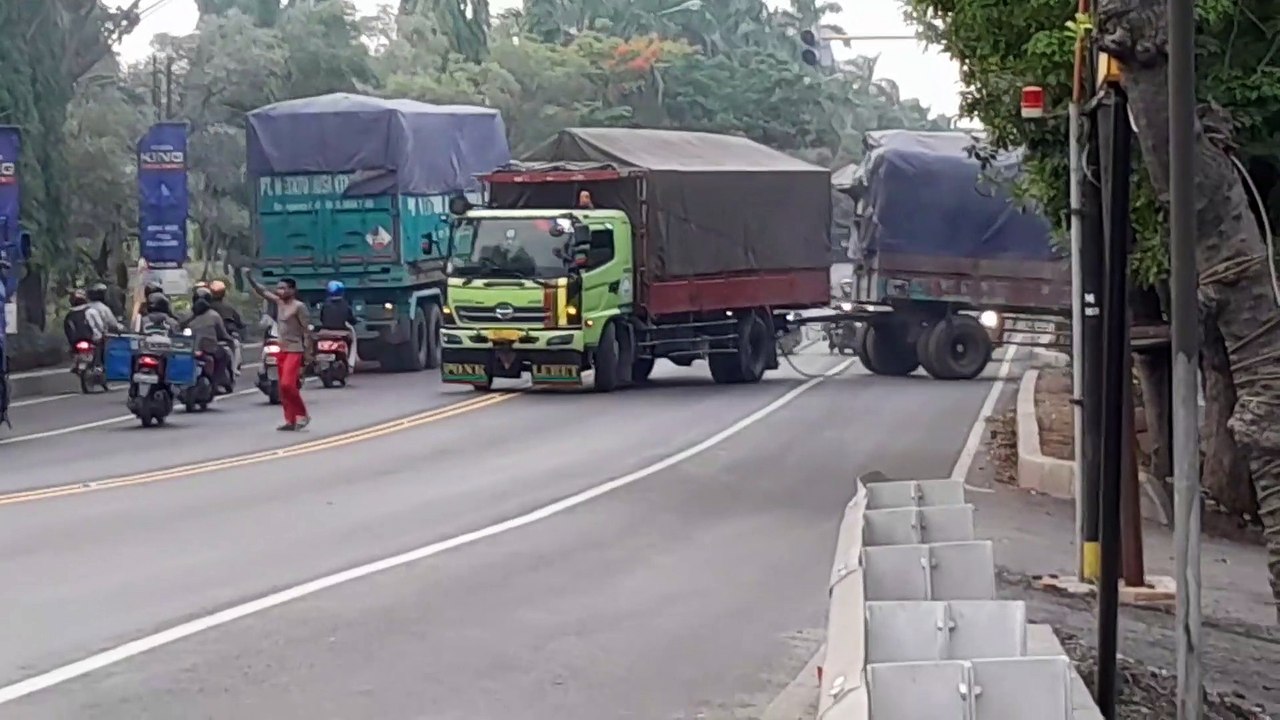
{"type": "Point", "coordinates": [152, 287]}
{"type": "Point", "coordinates": [218, 288]}
{"type": "Point", "coordinates": [202, 292]}
{"type": "Point", "coordinates": [158, 302]}
{"type": "Point", "coordinates": [98, 293]}
{"type": "Point", "coordinates": [336, 288]}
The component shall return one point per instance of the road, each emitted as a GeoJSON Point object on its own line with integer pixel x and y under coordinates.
{"type": "Point", "coordinates": [656, 553]}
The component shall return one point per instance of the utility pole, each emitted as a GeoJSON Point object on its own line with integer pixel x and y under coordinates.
{"type": "Point", "coordinates": [1115, 311]}
{"type": "Point", "coordinates": [1184, 318]}
{"type": "Point", "coordinates": [168, 87]}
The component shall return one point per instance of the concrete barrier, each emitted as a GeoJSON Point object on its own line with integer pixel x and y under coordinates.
{"type": "Point", "coordinates": [914, 630]}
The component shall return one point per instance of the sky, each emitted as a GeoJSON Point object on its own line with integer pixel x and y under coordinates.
{"type": "Point", "coordinates": [920, 72]}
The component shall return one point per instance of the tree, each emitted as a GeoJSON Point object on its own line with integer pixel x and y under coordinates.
{"type": "Point", "coordinates": [1004, 44]}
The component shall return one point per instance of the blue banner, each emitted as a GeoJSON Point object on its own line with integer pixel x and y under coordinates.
{"type": "Point", "coordinates": [162, 195]}
{"type": "Point", "coordinates": [10, 230]}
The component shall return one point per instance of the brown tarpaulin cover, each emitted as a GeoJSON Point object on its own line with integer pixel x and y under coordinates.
{"type": "Point", "coordinates": [717, 204]}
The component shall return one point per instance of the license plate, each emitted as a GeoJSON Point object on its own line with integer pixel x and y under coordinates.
{"type": "Point", "coordinates": [145, 379]}
{"type": "Point", "coordinates": [505, 335]}
{"type": "Point", "coordinates": [326, 357]}
{"type": "Point", "coordinates": [1036, 326]}
{"type": "Point", "coordinates": [273, 373]}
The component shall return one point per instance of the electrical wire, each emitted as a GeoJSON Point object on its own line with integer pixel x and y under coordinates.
{"type": "Point", "coordinates": [1266, 227]}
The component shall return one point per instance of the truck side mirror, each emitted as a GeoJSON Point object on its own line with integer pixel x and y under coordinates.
{"type": "Point", "coordinates": [24, 245]}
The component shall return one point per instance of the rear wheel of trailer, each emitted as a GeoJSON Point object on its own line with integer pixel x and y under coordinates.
{"type": "Point", "coordinates": [956, 348]}
{"type": "Point", "coordinates": [746, 364]}
{"type": "Point", "coordinates": [886, 349]}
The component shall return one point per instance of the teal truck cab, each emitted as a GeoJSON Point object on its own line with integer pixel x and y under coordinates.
{"type": "Point", "coordinates": [357, 189]}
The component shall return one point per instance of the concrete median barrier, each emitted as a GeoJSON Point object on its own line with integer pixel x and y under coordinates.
{"type": "Point", "coordinates": [914, 629]}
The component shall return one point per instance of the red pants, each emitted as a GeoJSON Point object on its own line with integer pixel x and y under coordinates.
{"type": "Point", "coordinates": [290, 395]}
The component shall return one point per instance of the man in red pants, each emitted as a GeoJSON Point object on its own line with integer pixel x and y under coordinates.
{"type": "Point", "coordinates": [293, 328]}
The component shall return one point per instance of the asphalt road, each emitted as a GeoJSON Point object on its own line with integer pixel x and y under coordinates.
{"type": "Point", "coordinates": [657, 553]}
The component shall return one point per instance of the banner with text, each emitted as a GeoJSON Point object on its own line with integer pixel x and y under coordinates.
{"type": "Point", "coordinates": [162, 195]}
{"type": "Point", "coordinates": [10, 187]}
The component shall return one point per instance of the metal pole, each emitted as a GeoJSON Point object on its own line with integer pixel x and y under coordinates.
{"type": "Point", "coordinates": [1115, 317]}
{"type": "Point", "coordinates": [1093, 280]}
{"type": "Point", "coordinates": [1184, 312]}
{"type": "Point", "coordinates": [1077, 326]}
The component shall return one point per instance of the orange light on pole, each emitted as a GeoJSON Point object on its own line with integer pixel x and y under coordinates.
{"type": "Point", "coordinates": [1032, 102]}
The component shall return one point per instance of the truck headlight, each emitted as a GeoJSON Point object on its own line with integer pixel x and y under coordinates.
{"type": "Point", "coordinates": [846, 306]}
{"type": "Point", "coordinates": [990, 319]}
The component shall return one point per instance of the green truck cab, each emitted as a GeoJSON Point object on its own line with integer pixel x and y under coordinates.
{"type": "Point", "coordinates": [691, 247]}
{"type": "Point", "coordinates": [357, 189]}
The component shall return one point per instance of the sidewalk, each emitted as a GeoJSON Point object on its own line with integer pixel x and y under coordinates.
{"type": "Point", "coordinates": [1034, 535]}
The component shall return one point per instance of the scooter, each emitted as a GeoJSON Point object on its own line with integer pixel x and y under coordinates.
{"type": "Point", "coordinates": [332, 363]}
{"type": "Point", "coordinates": [86, 367]}
{"type": "Point", "coordinates": [150, 395]}
{"type": "Point", "coordinates": [198, 395]}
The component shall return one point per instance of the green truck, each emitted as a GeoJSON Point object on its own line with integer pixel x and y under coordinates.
{"type": "Point", "coordinates": [357, 189]}
{"type": "Point", "coordinates": [605, 250]}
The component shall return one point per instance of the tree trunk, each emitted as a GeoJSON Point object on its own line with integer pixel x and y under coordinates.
{"type": "Point", "coordinates": [1225, 471]}
{"type": "Point", "coordinates": [1232, 257]}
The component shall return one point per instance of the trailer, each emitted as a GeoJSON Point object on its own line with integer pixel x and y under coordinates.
{"type": "Point", "coordinates": [607, 249]}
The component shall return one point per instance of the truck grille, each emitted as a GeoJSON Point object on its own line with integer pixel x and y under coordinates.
{"type": "Point", "coordinates": [480, 315]}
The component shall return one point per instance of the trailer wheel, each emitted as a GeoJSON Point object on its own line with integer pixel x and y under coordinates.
{"type": "Point", "coordinates": [959, 348]}
{"type": "Point", "coordinates": [606, 360]}
{"type": "Point", "coordinates": [888, 351]}
{"type": "Point", "coordinates": [923, 351]}
{"type": "Point", "coordinates": [411, 356]}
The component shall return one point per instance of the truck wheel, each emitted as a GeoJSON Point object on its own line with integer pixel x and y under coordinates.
{"type": "Point", "coordinates": [411, 356]}
{"type": "Point", "coordinates": [434, 323]}
{"type": "Point", "coordinates": [606, 360]}
{"type": "Point", "coordinates": [626, 354]}
{"type": "Point", "coordinates": [959, 348]}
{"type": "Point", "coordinates": [924, 353]}
{"type": "Point", "coordinates": [747, 365]}
{"type": "Point", "coordinates": [641, 369]}
{"type": "Point", "coordinates": [889, 351]}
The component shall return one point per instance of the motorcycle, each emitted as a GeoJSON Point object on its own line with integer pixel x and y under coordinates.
{"type": "Point", "coordinates": [226, 384]}
{"type": "Point", "coordinates": [86, 367]}
{"type": "Point", "coordinates": [198, 395]}
{"type": "Point", "coordinates": [333, 350]}
{"type": "Point", "coordinates": [150, 395]}
{"type": "Point", "coordinates": [269, 372]}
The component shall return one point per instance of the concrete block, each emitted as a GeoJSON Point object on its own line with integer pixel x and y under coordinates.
{"type": "Point", "coordinates": [1037, 471]}
{"type": "Point", "coordinates": [896, 494]}
{"type": "Point", "coordinates": [948, 523]}
{"type": "Point", "coordinates": [919, 691]}
{"type": "Point", "coordinates": [986, 629]}
{"type": "Point", "coordinates": [906, 631]}
{"type": "Point", "coordinates": [853, 705]}
{"type": "Point", "coordinates": [849, 537]}
{"type": "Point", "coordinates": [962, 571]}
{"type": "Point", "coordinates": [896, 526]}
{"type": "Point", "coordinates": [1006, 688]}
{"type": "Point", "coordinates": [896, 572]}
{"type": "Point", "coordinates": [933, 493]}
{"type": "Point", "coordinates": [1041, 642]}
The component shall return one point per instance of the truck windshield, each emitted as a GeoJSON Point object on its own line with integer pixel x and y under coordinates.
{"type": "Point", "coordinates": [516, 247]}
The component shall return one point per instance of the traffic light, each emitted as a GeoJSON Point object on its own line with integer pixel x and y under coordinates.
{"type": "Point", "coordinates": [811, 53]}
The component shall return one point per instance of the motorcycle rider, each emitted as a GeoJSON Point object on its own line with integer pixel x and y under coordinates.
{"type": "Point", "coordinates": [230, 318]}
{"type": "Point", "coordinates": [336, 315]}
{"type": "Point", "coordinates": [80, 323]}
{"type": "Point", "coordinates": [210, 333]}
{"type": "Point", "coordinates": [159, 319]}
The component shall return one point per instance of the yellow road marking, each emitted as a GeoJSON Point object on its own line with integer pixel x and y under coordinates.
{"type": "Point", "coordinates": [326, 443]}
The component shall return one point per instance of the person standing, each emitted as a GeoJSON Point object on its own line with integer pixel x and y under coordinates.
{"type": "Point", "coordinates": [292, 329]}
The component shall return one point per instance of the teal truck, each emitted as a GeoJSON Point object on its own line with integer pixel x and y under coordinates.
{"type": "Point", "coordinates": [357, 189]}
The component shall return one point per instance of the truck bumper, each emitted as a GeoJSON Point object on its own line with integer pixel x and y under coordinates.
{"type": "Point", "coordinates": [551, 357]}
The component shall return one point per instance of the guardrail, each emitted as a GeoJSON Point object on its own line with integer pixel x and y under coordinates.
{"type": "Point", "coordinates": [915, 631]}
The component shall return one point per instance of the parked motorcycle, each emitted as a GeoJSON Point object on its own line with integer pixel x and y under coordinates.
{"type": "Point", "coordinates": [86, 367]}
{"type": "Point", "coordinates": [333, 353]}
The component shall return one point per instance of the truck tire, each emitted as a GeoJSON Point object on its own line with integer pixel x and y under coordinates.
{"type": "Point", "coordinates": [748, 364]}
{"type": "Point", "coordinates": [434, 323]}
{"type": "Point", "coordinates": [923, 352]}
{"type": "Point", "coordinates": [959, 348]}
{"type": "Point", "coordinates": [606, 360]}
{"type": "Point", "coordinates": [626, 353]}
{"type": "Point", "coordinates": [889, 352]}
{"type": "Point", "coordinates": [412, 355]}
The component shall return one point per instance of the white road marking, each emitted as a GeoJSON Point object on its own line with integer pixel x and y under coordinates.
{"type": "Point", "coordinates": [178, 632]}
{"type": "Point", "coordinates": [39, 400]}
{"type": "Point", "coordinates": [960, 471]}
{"type": "Point", "coordinates": [109, 421]}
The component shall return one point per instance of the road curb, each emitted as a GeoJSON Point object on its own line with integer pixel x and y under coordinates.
{"type": "Point", "coordinates": [1054, 476]}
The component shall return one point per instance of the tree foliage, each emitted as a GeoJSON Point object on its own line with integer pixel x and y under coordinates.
{"type": "Point", "coordinates": [726, 66]}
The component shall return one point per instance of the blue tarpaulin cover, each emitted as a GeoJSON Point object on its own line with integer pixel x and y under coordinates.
{"type": "Point", "coordinates": [922, 194]}
{"type": "Point", "coordinates": [390, 145]}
